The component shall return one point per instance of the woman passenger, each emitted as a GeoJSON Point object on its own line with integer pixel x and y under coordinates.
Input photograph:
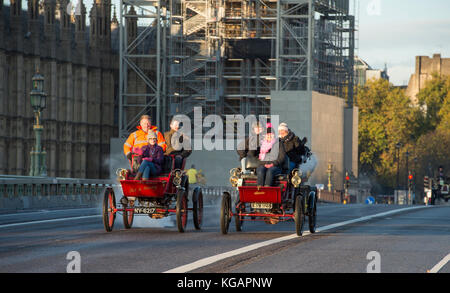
{"type": "Point", "coordinates": [272, 156]}
{"type": "Point", "coordinates": [152, 158]}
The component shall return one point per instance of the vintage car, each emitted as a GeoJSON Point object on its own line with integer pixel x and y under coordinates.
{"type": "Point", "coordinates": [157, 197]}
{"type": "Point", "coordinates": [289, 200]}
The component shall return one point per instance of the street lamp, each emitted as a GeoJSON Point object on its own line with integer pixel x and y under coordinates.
{"type": "Point", "coordinates": [407, 177]}
{"type": "Point", "coordinates": [397, 147]}
{"type": "Point", "coordinates": [329, 172]}
{"type": "Point", "coordinates": [38, 102]}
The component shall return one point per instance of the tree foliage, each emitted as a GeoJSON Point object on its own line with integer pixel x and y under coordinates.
{"type": "Point", "coordinates": [387, 117]}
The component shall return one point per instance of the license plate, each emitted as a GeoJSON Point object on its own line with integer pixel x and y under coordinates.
{"type": "Point", "coordinates": [261, 205]}
{"type": "Point", "coordinates": [140, 210]}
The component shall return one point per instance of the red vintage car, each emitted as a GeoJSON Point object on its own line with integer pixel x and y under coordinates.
{"type": "Point", "coordinates": [158, 197]}
{"type": "Point", "coordinates": [289, 200]}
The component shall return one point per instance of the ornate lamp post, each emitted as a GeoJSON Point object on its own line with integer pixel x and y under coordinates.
{"type": "Point", "coordinates": [329, 173]}
{"type": "Point", "coordinates": [38, 102]}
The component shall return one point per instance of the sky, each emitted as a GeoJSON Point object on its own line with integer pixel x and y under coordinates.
{"type": "Point", "coordinates": [392, 32]}
{"type": "Point", "coordinates": [395, 31]}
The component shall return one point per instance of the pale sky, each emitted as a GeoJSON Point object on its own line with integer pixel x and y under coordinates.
{"type": "Point", "coordinates": [395, 31]}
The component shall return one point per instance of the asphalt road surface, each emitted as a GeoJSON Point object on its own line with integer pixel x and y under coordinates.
{"type": "Point", "coordinates": [351, 239]}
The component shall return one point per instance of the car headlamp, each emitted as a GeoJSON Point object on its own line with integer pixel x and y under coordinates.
{"type": "Point", "coordinates": [296, 179]}
{"type": "Point", "coordinates": [234, 181]}
{"type": "Point", "coordinates": [178, 174]}
{"type": "Point", "coordinates": [235, 172]}
{"type": "Point", "coordinates": [121, 174]}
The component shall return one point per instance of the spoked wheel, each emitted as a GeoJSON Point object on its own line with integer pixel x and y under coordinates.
{"type": "Point", "coordinates": [312, 213]}
{"type": "Point", "coordinates": [238, 219]}
{"type": "Point", "coordinates": [128, 217]}
{"type": "Point", "coordinates": [197, 207]}
{"type": "Point", "coordinates": [109, 209]}
{"type": "Point", "coordinates": [225, 213]}
{"type": "Point", "coordinates": [299, 216]}
{"type": "Point", "coordinates": [182, 210]}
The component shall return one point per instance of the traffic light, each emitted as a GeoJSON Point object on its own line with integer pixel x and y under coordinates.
{"type": "Point", "coordinates": [347, 181]}
{"type": "Point", "coordinates": [410, 181]}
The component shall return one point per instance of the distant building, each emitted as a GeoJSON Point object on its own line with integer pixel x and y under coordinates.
{"type": "Point", "coordinates": [364, 72]}
{"type": "Point", "coordinates": [425, 67]}
{"type": "Point", "coordinates": [80, 67]}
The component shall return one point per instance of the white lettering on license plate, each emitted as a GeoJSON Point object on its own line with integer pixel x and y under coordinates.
{"type": "Point", "coordinates": [261, 205]}
{"type": "Point", "coordinates": [144, 210]}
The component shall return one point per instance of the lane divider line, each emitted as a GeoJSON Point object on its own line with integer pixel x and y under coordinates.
{"type": "Point", "coordinates": [47, 221]}
{"type": "Point", "coordinates": [440, 265]}
{"type": "Point", "coordinates": [215, 258]}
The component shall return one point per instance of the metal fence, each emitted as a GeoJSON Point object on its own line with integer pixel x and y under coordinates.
{"type": "Point", "coordinates": [24, 192]}
{"type": "Point", "coordinates": [327, 196]}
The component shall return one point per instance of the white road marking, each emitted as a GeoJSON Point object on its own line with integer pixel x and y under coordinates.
{"type": "Point", "coordinates": [47, 221]}
{"type": "Point", "coordinates": [26, 213]}
{"type": "Point", "coordinates": [440, 264]}
{"type": "Point", "coordinates": [215, 258]}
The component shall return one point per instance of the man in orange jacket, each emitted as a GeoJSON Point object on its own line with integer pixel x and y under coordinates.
{"type": "Point", "coordinates": [138, 138]}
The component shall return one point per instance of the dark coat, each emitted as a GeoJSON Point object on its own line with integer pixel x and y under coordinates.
{"type": "Point", "coordinates": [177, 147]}
{"type": "Point", "coordinates": [294, 147]}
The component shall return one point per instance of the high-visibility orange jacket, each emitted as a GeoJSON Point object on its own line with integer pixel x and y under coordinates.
{"type": "Point", "coordinates": [138, 139]}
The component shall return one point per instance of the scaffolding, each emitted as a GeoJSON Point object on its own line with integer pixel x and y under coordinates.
{"type": "Point", "coordinates": [142, 63]}
{"type": "Point", "coordinates": [226, 56]}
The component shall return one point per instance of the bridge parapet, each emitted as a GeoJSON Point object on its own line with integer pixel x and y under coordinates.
{"type": "Point", "coordinates": [25, 192]}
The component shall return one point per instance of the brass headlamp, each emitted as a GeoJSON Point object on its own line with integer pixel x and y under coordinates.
{"type": "Point", "coordinates": [121, 174]}
{"type": "Point", "coordinates": [235, 175]}
{"type": "Point", "coordinates": [178, 174]}
{"type": "Point", "coordinates": [296, 179]}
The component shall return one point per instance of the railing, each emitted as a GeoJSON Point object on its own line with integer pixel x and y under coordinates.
{"type": "Point", "coordinates": [327, 196]}
{"type": "Point", "coordinates": [194, 24]}
{"type": "Point", "coordinates": [23, 192]}
{"type": "Point", "coordinates": [190, 65]}
{"type": "Point", "coordinates": [212, 195]}
{"type": "Point", "coordinates": [43, 186]}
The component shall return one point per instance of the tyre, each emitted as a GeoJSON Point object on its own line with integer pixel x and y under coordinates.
{"type": "Point", "coordinates": [299, 216]}
{"type": "Point", "coordinates": [182, 210]}
{"type": "Point", "coordinates": [128, 217]}
{"type": "Point", "coordinates": [312, 216]}
{"type": "Point", "coordinates": [197, 207]}
{"type": "Point", "coordinates": [225, 213]}
{"type": "Point", "coordinates": [109, 209]}
{"type": "Point", "coordinates": [239, 219]}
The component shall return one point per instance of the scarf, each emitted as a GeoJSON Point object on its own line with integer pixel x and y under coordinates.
{"type": "Point", "coordinates": [266, 146]}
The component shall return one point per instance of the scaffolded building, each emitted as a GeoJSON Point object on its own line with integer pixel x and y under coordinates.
{"type": "Point", "coordinates": [226, 56]}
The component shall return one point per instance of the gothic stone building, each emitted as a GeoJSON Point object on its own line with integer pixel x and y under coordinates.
{"type": "Point", "coordinates": [80, 70]}
{"type": "Point", "coordinates": [425, 68]}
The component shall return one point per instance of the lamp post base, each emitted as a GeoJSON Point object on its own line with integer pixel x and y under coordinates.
{"type": "Point", "coordinates": [38, 167]}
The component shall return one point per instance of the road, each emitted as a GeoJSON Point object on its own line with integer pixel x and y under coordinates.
{"type": "Point", "coordinates": [396, 240]}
